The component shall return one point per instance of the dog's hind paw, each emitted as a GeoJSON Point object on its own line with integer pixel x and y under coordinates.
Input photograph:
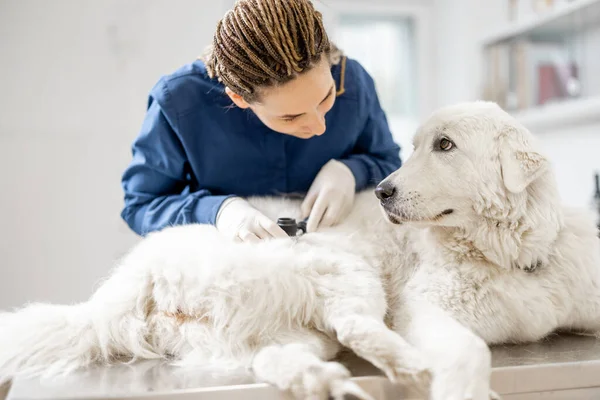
{"type": "Point", "coordinates": [407, 376]}
{"type": "Point", "coordinates": [408, 368]}
{"type": "Point", "coordinates": [324, 381]}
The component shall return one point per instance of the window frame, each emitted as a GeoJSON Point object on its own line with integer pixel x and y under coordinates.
{"type": "Point", "coordinates": [421, 14]}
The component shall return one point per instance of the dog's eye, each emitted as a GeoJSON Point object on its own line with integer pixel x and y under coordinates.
{"type": "Point", "coordinates": [446, 144]}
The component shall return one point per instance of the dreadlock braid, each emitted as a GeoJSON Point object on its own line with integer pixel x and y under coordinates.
{"type": "Point", "coordinates": [263, 43]}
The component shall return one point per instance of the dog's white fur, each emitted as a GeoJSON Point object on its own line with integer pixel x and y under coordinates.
{"type": "Point", "coordinates": [508, 264]}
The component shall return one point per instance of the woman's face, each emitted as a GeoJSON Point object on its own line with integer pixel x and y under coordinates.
{"type": "Point", "coordinates": [298, 107]}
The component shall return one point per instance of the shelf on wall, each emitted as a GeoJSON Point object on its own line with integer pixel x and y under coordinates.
{"type": "Point", "coordinates": [558, 115]}
{"type": "Point", "coordinates": [560, 21]}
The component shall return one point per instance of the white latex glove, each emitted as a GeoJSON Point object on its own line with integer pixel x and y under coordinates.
{"type": "Point", "coordinates": [240, 221]}
{"type": "Point", "coordinates": [330, 197]}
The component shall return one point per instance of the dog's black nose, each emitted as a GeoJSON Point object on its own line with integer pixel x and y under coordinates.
{"type": "Point", "coordinates": [385, 191]}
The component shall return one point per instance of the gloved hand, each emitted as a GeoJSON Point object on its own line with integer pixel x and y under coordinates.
{"type": "Point", "coordinates": [240, 221]}
{"type": "Point", "coordinates": [330, 197]}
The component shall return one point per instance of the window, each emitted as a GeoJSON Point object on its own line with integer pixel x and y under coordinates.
{"type": "Point", "coordinates": [386, 42]}
{"type": "Point", "coordinates": [384, 46]}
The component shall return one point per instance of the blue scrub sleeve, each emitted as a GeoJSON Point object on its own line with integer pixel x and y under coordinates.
{"type": "Point", "coordinates": [157, 191]}
{"type": "Point", "coordinates": [375, 154]}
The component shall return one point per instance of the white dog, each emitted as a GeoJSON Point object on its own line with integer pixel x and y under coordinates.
{"type": "Point", "coordinates": [486, 254]}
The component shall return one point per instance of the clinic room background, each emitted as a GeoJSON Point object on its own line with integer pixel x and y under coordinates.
{"type": "Point", "coordinates": [75, 75]}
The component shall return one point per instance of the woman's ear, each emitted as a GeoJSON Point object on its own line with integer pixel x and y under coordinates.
{"type": "Point", "coordinates": [237, 99]}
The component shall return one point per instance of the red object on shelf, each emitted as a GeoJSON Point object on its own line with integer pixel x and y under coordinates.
{"type": "Point", "coordinates": [547, 83]}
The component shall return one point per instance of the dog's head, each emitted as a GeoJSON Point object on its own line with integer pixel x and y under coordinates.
{"type": "Point", "coordinates": [472, 164]}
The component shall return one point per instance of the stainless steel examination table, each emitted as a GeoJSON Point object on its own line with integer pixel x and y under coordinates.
{"type": "Point", "coordinates": [560, 367]}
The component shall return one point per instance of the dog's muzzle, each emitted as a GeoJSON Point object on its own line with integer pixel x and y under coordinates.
{"type": "Point", "coordinates": [385, 192]}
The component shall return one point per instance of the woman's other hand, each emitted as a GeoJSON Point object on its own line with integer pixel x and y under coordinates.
{"type": "Point", "coordinates": [330, 197]}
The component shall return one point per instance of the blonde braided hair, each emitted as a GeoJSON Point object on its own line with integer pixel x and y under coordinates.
{"type": "Point", "coordinates": [263, 43]}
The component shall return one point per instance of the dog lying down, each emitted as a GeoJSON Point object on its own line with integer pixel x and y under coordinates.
{"type": "Point", "coordinates": [472, 248]}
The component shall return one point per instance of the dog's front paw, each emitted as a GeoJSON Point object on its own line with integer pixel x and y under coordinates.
{"type": "Point", "coordinates": [324, 381]}
{"type": "Point", "coordinates": [464, 373]}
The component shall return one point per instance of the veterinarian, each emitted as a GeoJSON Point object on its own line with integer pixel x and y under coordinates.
{"type": "Point", "coordinates": [272, 108]}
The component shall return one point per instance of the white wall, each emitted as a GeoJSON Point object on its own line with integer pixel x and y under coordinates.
{"type": "Point", "coordinates": [457, 28]}
{"type": "Point", "coordinates": [575, 154]}
{"type": "Point", "coordinates": [74, 76]}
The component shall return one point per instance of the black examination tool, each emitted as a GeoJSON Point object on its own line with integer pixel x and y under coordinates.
{"type": "Point", "coordinates": [291, 227]}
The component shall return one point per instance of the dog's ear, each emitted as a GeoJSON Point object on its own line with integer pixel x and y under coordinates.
{"type": "Point", "coordinates": [519, 163]}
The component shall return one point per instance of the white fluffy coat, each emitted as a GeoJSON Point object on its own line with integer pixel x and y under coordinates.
{"type": "Point", "coordinates": [485, 254]}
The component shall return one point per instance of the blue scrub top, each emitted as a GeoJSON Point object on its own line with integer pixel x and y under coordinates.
{"type": "Point", "coordinates": [195, 148]}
